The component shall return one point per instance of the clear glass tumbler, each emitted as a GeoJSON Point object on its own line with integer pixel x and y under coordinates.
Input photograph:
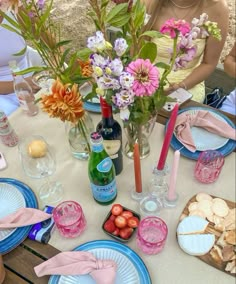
{"type": "Point", "coordinates": [208, 166]}
{"type": "Point", "coordinates": [151, 235]}
{"type": "Point", "coordinates": [69, 219]}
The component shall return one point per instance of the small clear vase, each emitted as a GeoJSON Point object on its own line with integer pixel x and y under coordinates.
{"type": "Point", "coordinates": [78, 134]}
{"type": "Point", "coordinates": [138, 133]}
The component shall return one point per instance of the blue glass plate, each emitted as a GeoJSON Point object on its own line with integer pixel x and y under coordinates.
{"type": "Point", "coordinates": [19, 234]}
{"type": "Point", "coordinates": [225, 150]}
{"type": "Point", "coordinates": [93, 107]}
{"type": "Point", "coordinates": [131, 269]}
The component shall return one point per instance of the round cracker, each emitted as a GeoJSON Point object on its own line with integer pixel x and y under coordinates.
{"type": "Point", "coordinates": [220, 207]}
{"type": "Point", "coordinates": [203, 196]}
{"type": "Point", "coordinates": [218, 220]}
{"type": "Point", "coordinates": [193, 206]}
{"type": "Point", "coordinates": [205, 206]}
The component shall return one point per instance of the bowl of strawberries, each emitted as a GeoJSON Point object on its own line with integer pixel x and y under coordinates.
{"type": "Point", "coordinates": [121, 223]}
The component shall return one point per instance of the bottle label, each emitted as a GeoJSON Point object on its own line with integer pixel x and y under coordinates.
{"type": "Point", "coordinates": [104, 193]}
{"type": "Point", "coordinates": [97, 148]}
{"type": "Point", "coordinates": [105, 165]}
{"type": "Point", "coordinates": [112, 147]}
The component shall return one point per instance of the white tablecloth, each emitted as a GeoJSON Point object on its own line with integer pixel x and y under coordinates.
{"type": "Point", "coordinates": [172, 265]}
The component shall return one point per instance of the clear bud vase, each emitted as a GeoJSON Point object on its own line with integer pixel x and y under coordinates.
{"type": "Point", "coordinates": [78, 134]}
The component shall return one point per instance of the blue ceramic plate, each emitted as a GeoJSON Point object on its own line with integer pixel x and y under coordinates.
{"type": "Point", "coordinates": [93, 107]}
{"type": "Point", "coordinates": [19, 234]}
{"type": "Point", "coordinates": [225, 149]}
{"type": "Point", "coordinates": [131, 269]}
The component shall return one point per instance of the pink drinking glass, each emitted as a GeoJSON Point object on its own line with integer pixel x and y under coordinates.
{"type": "Point", "coordinates": [151, 235]}
{"type": "Point", "coordinates": [208, 166]}
{"type": "Point", "coordinates": [69, 219]}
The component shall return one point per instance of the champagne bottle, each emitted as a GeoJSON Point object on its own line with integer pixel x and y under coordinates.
{"type": "Point", "coordinates": [23, 91]}
{"type": "Point", "coordinates": [111, 132]}
{"type": "Point", "coordinates": [101, 172]}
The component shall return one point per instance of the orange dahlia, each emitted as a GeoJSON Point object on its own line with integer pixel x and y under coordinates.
{"type": "Point", "coordinates": [86, 68]}
{"type": "Point", "coordinates": [64, 102]}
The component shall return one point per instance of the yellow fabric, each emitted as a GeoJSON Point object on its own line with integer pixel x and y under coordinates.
{"type": "Point", "coordinates": [163, 44]}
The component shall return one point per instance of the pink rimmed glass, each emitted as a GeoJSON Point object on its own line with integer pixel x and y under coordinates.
{"type": "Point", "coordinates": [69, 219]}
{"type": "Point", "coordinates": [208, 166]}
{"type": "Point", "coordinates": [151, 235]}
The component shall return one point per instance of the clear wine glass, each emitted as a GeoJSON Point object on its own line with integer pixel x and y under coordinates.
{"type": "Point", "coordinates": [38, 162]}
{"type": "Point", "coordinates": [43, 80]}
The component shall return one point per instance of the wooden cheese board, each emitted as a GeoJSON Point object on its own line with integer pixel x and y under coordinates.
{"type": "Point", "coordinates": [207, 258]}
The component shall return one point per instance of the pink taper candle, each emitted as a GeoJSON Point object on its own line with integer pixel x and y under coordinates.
{"type": "Point", "coordinates": [173, 176]}
{"type": "Point", "coordinates": [168, 137]}
{"type": "Point", "coordinates": [137, 169]}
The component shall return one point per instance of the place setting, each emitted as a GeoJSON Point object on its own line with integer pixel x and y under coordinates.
{"type": "Point", "coordinates": [203, 129]}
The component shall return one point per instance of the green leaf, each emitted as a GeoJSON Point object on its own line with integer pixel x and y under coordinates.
{"type": "Point", "coordinates": [162, 65]}
{"type": "Point", "coordinates": [31, 69]}
{"type": "Point", "coordinates": [118, 11]}
{"type": "Point", "coordinates": [64, 55]}
{"type": "Point", "coordinates": [148, 51]}
{"type": "Point", "coordinates": [45, 15]}
{"type": "Point", "coordinates": [63, 42]}
{"type": "Point", "coordinates": [139, 14]}
{"type": "Point", "coordinates": [152, 34]}
{"type": "Point", "coordinates": [84, 53]}
{"type": "Point", "coordinates": [21, 52]}
{"type": "Point", "coordinates": [120, 21]}
{"type": "Point", "coordinates": [14, 23]}
{"type": "Point", "coordinates": [10, 29]}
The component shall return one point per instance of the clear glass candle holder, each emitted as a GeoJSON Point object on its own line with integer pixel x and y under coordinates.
{"type": "Point", "coordinates": [69, 219]}
{"type": "Point", "coordinates": [209, 166]}
{"type": "Point", "coordinates": [151, 235]}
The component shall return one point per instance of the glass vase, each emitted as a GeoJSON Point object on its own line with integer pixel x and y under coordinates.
{"type": "Point", "coordinates": [78, 134]}
{"type": "Point", "coordinates": [138, 133]}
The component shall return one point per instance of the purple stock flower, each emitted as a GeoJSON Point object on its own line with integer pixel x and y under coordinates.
{"type": "Point", "coordinates": [116, 66]}
{"type": "Point", "coordinates": [120, 46]}
{"type": "Point", "coordinates": [107, 82]}
{"type": "Point", "coordinates": [41, 4]}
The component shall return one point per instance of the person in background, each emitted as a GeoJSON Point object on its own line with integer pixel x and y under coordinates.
{"type": "Point", "coordinates": [229, 105]}
{"type": "Point", "coordinates": [209, 49]}
{"type": "Point", "coordinates": [11, 43]}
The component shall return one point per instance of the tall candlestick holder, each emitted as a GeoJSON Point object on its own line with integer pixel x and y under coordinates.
{"type": "Point", "coordinates": [158, 186]}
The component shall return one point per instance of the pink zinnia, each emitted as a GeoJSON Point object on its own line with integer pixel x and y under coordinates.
{"type": "Point", "coordinates": [146, 77]}
{"type": "Point", "coordinates": [173, 26]}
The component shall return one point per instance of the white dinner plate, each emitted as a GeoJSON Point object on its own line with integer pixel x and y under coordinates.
{"type": "Point", "coordinates": [203, 139]}
{"type": "Point", "coordinates": [127, 273]}
{"type": "Point", "coordinates": [130, 267]}
{"type": "Point", "coordinates": [11, 199]}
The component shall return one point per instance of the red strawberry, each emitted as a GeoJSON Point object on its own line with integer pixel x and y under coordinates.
{"type": "Point", "coordinates": [126, 232]}
{"type": "Point", "coordinates": [116, 232]}
{"type": "Point", "coordinates": [127, 214]}
{"type": "Point", "coordinates": [116, 209]}
{"type": "Point", "coordinates": [133, 222]}
{"type": "Point", "coordinates": [109, 226]}
{"type": "Point", "coordinates": [120, 222]}
{"type": "Point", "coordinates": [112, 218]}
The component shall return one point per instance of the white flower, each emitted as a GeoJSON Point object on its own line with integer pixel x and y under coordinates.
{"type": "Point", "coordinates": [120, 46]}
{"type": "Point", "coordinates": [116, 66]}
{"type": "Point", "coordinates": [126, 80]}
{"type": "Point", "coordinates": [97, 42]}
{"type": "Point", "coordinates": [107, 82]}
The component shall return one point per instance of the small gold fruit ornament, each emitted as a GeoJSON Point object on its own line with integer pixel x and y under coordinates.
{"type": "Point", "coordinates": [37, 149]}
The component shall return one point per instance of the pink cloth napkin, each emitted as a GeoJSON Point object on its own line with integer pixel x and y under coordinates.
{"type": "Point", "coordinates": [76, 263]}
{"type": "Point", "coordinates": [202, 119]}
{"type": "Point", "coordinates": [23, 217]}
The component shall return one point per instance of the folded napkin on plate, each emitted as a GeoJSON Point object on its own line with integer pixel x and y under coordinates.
{"type": "Point", "coordinates": [202, 119]}
{"type": "Point", "coordinates": [76, 263]}
{"type": "Point", "coordinates": [23, 217]}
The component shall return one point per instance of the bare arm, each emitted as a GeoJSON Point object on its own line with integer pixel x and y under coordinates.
{"type": "Point", "coordinates": [230, 62]}
{"type": "Point", "coordinates": [6, 87]}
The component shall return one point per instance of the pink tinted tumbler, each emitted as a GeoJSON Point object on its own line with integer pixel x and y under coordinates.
{"type": "Point", "coordinates": [69, 219]}
{"type": "Point", "coordinates": [208, 166]}
{"type": "Point", "coordinates": [151, 235]}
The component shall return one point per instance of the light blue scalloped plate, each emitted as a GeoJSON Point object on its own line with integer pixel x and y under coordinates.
{"type": "Point", "coordinates": [225, 150]}
{"type": "Point", "coordinates": [19, 235]}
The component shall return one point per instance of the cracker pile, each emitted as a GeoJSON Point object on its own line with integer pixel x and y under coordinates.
{"type": "Point", "coordinates": [223, 219]}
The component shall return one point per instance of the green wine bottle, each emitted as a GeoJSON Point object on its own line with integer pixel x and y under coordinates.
{"type": "Point", "coordinates": [101, 172]}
